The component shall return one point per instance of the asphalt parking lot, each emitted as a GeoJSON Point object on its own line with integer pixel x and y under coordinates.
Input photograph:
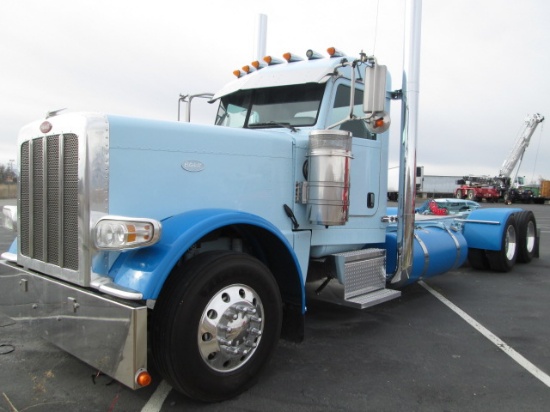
{"type": "Point", "coordinates": [410, 354]}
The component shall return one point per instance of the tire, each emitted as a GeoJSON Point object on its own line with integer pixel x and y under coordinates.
{"type": "Point", "coordinates": [216, 324]}
{"type": "Point", "coordinates": [478, 259]}
{"type": "Point", "coordinates": [471, 195]}
{"type": "Point", "coordinates": [527, 236]}
{"type": "Point", "coordinates": [458, 194]}
{"type": "Point", "coordinates": [506, 198]}
{"type": "Point", "coordinates": [504, 259]}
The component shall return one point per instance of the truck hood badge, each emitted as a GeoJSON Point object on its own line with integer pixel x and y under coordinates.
{"type": "Point", "coordinates": [193, 165]}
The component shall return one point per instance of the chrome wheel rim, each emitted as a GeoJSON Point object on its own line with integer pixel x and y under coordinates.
{"type": "Point", "coordinates": [510, 242]}
{"type": "Point", "coordinates": [530, 237]}
{"type": "Point", "coordinates": [230, 328]}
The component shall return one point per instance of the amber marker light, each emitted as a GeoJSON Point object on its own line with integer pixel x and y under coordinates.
{"type": "Point", "coordinates": [289, 57]}
{"type": "Point", "coordinates": [334, 52]}
{"type": "Point", "coordinates": [258, 64]}
{"type": "Point", "coordinates": [270, 60]}
{"type": "Point", "coordinates": [379, 122]}
{"type": "Point", "coordinates": [143, 378]}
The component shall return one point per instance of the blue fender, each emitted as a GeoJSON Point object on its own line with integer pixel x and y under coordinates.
{"type": "Point", "coordinates": [146, 269]}
{"type": "Point", "coordinates": [13, 247]}
{"type": "Point", "coordinates": [483, 228]}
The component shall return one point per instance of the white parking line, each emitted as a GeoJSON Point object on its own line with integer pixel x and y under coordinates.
{"type": "Point", "coordinates": [532, 369]}
{"type": "Point", "coordinates": [154, 404]}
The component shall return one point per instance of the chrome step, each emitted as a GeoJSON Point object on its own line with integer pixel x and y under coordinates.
{"type": "Point", "coordinates": [373, 298]}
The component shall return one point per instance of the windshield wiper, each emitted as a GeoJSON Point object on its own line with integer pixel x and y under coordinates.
{"type": "Point", "coordinates": [272, 123]}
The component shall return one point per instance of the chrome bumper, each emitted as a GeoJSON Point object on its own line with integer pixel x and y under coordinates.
{"type": "Point", "coordinates": [102, 331]}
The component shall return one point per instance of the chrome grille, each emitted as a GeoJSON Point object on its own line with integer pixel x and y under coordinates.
{"type": "Point", "coordinates": [49, 200]}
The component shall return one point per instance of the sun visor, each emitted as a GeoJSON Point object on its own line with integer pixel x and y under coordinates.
{"type": "Point", "coordinates": [281, 75]}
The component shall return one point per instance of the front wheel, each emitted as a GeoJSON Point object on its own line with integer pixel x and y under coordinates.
{"type": "Point", "coordinates": [216, 324]}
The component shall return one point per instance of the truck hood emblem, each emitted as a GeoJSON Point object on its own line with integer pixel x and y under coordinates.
{"type": "Point", "coordinates": [193, 165]}
{"type": "Point", "coordinates": [45, 126]}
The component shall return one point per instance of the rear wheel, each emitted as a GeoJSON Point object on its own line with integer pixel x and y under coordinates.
{"type": "Point", "coordinates": [478, 259]}
{"type": "Point", "coordinates": [504, 259]}
{"type": "Point", "coordinates": [216, 324]}
{"type": "Point", "coordinates": [471, 195]}
{"type": "Point", "coordinates": [527, 236]}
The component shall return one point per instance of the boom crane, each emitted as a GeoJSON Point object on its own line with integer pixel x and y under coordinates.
{"type": "Point", "coordinates": [494, 188]}
{"type": "Point", "coordinates": [516, 155]}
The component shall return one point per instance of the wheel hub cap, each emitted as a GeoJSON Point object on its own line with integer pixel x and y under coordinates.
{"type": "Point", "coordinates": [231, 327]}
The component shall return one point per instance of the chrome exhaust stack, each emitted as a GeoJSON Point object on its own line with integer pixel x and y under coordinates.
{"type": "Point", "coordinates": [409, 127]}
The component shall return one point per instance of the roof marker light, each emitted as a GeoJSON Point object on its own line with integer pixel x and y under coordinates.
{"type": "Point", "coordinates": [312, 55]}
{"type": "Point", "coordinates": [257, 64]}
{"type": "Point", "coordinates": [334, 52]}
{"type": "Point", "coordinates": [291, 58]}
{"type": "Point", "coordinates": [272, 60]}
{"type": "Point", "coordinates": [248, 69]}
{"type": "Point", "coordinates": [238, 73]}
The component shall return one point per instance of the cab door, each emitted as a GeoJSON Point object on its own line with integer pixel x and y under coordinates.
{"type": "Point", "coordinates": [366, 151]}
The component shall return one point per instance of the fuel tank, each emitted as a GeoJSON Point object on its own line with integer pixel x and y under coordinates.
{"type": "Point", "coordinates": [436, 250]}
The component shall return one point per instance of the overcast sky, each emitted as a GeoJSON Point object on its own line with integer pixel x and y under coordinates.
{"type": "Point", "coordinates": [484, 64]}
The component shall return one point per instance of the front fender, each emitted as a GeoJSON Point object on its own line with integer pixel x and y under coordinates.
{"type": "Point", "coordinates": [146, 269]}
{"type": "Point", "coordinates": [483, 229]}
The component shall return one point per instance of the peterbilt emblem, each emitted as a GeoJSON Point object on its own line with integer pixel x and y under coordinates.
{"type": "Point", "coordinates": [45, 126]}
{"type": "Point", "coordinates": [193, 165]}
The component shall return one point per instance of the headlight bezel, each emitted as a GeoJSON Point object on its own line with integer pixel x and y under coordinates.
{"type": "Point", "coordinates": [122, 233]}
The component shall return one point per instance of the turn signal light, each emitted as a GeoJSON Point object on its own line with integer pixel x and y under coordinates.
{"type": "Point", "coordinates": [117, 232]}
{"type": "Point", "coordinates": [379, 123]}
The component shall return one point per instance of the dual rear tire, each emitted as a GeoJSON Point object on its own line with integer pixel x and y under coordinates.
{"type": "Point", "coordinates": [519, 243]}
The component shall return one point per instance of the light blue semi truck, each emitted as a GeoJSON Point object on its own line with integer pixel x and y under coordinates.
{"type": "Point", "coordinates": [202, 244]}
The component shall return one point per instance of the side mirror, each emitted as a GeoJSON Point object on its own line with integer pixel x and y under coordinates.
{"type": "Point", "coordinates": [374, 102]}
{"type": "Point", "coordinates": [375, 89]}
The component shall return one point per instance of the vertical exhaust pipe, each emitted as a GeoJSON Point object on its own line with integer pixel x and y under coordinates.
{"type": "Point", "coordinates": [261, 37]}
{"type": "Point", "coordinates": [409, 127]}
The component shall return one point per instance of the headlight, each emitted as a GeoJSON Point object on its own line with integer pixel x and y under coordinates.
{"type": "Point", "coordinates": [115, 232]}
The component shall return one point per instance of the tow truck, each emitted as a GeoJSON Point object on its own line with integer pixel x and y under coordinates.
{"type": "Point", "coordinates": [493, 189]}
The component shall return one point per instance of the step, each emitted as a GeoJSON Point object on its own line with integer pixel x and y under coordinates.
{"type": "Point", "coordinates": [373, 298]}
{"type": "Point", "coordinates": [334, 293]}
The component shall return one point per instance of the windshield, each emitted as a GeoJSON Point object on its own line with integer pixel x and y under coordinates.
{"type": "Point", "coordinates": [296, 105]}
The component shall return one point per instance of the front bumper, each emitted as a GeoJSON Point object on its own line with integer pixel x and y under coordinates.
{"type": "Point", "coordinates": [108, 334]}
